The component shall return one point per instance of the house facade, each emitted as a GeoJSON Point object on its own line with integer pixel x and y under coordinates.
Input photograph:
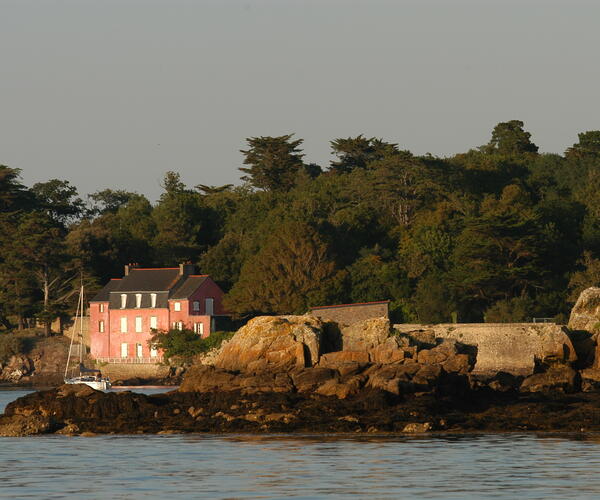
{"type": "Point", "coordinates": [125, 313]}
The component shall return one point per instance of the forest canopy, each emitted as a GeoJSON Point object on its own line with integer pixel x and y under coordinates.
{"type": "Point", "coordinates": [501, 232]}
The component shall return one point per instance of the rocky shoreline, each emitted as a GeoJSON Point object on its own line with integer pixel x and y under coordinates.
{"type": "Point", "coordinates": [80, 410]}
{"type": "Point", "coordinates": [296, 374]}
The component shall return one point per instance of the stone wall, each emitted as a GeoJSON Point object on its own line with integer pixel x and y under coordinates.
{"type": "Point", "coordinates": [509, 347]}
{"type": "Point", "coordinates": [125, 371]}
{"type": "Point", "coordinates": [348, 314]}
{"type": "Point", "coordinates": [65, 327]}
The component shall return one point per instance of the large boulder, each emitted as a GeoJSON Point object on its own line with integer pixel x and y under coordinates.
{"type": "Point", "coordinates": [516, 348]}
{"type": "Point", "coordinates": [585, 314]}
{"type": "Point", "coordinates": [585, 325]}
{"type": "Point", "coordinates": [365, 335]}
{"type": "Point", "coordinates": [556, 379]}
{"type": "Point", "coordinates": [273, 343]}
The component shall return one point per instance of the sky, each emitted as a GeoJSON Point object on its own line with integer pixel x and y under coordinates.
{"type": "Point", "coordinates": [114, 93]}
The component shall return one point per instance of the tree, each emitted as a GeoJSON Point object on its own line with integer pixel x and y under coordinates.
{"type": "Point", "coordinates": [273, 162]}
{"type": "Point", "coordinates": [358, 152]}
{"type": "Point", "coordinates": [13, 195]}
{"type": "Point", "coordinates": [509, 138]}
{"type": "Point", "coordinates": [172, 184]}
{"type": "Point", "coordinates": [39, 250]}
{"type": "Point", "coordinates": [59, 200]}
{"type": "Point", "coordinates": [110, 200]}
{"type": "Point", "coordinates": [588, 145]}
{"type": "Point", "coordinates": [290, 272]}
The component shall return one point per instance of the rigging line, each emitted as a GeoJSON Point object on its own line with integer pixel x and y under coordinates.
{"type": "Point", "coordinates": [72, 337]}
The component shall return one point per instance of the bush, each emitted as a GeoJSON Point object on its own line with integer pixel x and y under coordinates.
{"type": "Point", "coordinates": [186, 344]}
{"type": "Point", "coordinates": [10, 345]}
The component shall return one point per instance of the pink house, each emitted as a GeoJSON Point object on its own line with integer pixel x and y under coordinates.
{"type": "Point", "coordinates": [125, 312]}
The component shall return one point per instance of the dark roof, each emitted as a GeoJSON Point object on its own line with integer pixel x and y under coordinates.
{"type": "Point", "coordinates": [162, 300]}
{"type": "Point", "coordinates": [104, 294]}
{"type": "Point", "coordinates": [149, 280]}
{"type": "Point", "coordinates": [189, 286]}
{"type": "Point", "coordinates": [352, 305]}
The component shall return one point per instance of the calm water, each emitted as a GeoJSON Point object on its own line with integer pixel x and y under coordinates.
{"type": "Point", "coordinates": [283, 466]}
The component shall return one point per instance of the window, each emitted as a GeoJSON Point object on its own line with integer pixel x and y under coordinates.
{"type": "Point", "coordinates": [123, 350]}
{"type": "Point", "coordinates": [101, 326]}
{"type": "Point", "coordinates": [180, 325]}
{"type": "Point", "coordinates": [123, 324]}
{"type": "Point", "coordinates": [153, 351]}
{"type": "Point", "coordinates": [138, 300]}
{"type": "Point", "coordinates": [123, 300]}
{"type": "Point", "coordinates": [101, 308]}
{"type": "Point", "coordinates": [199, 328]}
{"type": "Point", "coordinates": [138, 351]}
{"type": "Point", "coordinates": [195, 305]}
{"type": "Point", "coordinates": [153, 322]}
{"type": "Point", "coordinates": [152, 300]}
{"type": "Point", "coordinates": [177, 306]}
{"type": "Point", "coordinates": [138, 324]}
{"type": "Point", "coordinates": [208, 306]}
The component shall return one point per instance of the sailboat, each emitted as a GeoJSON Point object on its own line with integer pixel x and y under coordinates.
{"type": "Point", "coordinates": [81, 374]}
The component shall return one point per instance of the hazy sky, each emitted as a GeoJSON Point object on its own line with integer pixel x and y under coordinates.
{"type": "Point", "coordinates": [114, 93]}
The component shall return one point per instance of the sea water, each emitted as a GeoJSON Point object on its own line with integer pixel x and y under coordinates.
{"type": "Point", "coordinates": [500, 466]}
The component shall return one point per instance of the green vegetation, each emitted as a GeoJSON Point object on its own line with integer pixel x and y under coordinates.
{"type": "Point", "coordinates": [185, 344]}
{"type": "Point", "coordinates": [11, 345]}
{"type": "Point", "coordinates": [501, 232]}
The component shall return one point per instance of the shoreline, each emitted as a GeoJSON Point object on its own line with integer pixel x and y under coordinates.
{"type": "Point", "coordinates": [79, 410]}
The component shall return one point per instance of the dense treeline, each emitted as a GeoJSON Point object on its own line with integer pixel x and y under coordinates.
{"type": "Point", "coordinates": [499, 233]}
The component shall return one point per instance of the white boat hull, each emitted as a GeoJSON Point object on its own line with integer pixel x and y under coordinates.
{"type": "Point", "coordinates": [100, 385]}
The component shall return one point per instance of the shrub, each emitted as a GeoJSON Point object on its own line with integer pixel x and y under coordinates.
{"type": "Point", "coordinates": [186, 344]}
{"type": "Point", "coordinates": [10, 345]}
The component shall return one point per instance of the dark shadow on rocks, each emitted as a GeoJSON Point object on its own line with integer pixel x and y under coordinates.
{"type": "Point", "coordinates": [331, 340]}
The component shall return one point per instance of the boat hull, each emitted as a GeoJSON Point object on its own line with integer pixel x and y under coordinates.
{"type": "Point", "coordinates": [100, 385]}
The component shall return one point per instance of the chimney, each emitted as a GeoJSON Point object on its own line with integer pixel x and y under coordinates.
{"type": "Point", "coordinates": [129, 267]}
{"type": "Point", "coordinates": [186, 269]}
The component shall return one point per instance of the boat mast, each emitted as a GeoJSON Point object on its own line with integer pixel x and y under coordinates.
{"type": "Point", "coordinates": [73, 332]}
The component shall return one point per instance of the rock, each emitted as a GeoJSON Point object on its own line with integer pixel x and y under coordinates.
{"type": "Point", "coordinates": [334, 359]}
{"type": "Point", "coordinates": [273, 343]}
{"type": "Point", "coordinates": [389, 351]}
{"type": "Point", "coordinates": [390, 378]}
{"type": "Point", "coordinates": [459, 363]}
{"type": "Point", "coordinates": [21, 425]}
{"type": "Point", "coordinates": [422, 338]}
{"type": "Point", "coordinates": [515, 348]}
{"type": "Point", "coordinates": [308, 379]}
{"type": "Point", "coordinates": [417, 428]}
{"type": "Point", "coordinates": [590, 380]}
{"type": "Point", "coordinates": [585, 314]}
{"type": "Point", "coordinates": [427, 377]}
{"type": "Point", "coordinates": [556, 379]}
{"type": "Point", "coordinates": [438, 354]}
{"type": "Point", "coordinates": [200, 378]}
{"type": "Point", "coordinates": [504, 382]}
{"type": "Point", "coordinates": [365, 335]}
{"type": "Point", "coordinates": [340, 389]}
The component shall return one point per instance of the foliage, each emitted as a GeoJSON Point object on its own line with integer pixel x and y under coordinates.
{"type": "Point", "coordinates": [185, 344]}
{"type": "Point", "coordinates": [273, 162]}
{"type": "Point", "coordinates": [499, 232]}
{"type": "Point", "coordinates": [10, 345]}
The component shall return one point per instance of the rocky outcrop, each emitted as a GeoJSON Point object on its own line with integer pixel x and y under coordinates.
{"type": "Point", "coordinates": [516, 348]}
{"type": "Point", "coordinates": [273, 343]}
{"type": "Point", "coordinates": [584, 324]}
{"type": "Point", "coordinates": [556, 379]}
{"type": "Point", "coordinates": [585, 314]}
